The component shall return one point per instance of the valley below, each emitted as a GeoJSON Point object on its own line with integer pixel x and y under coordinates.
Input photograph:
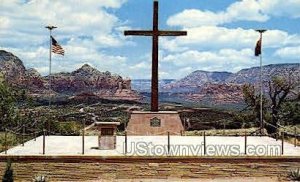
{"type": "Point", "coordinates": [205, 100]}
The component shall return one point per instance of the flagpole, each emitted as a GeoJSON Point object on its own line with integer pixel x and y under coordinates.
{"type": "Point", "coordinates": [261, 31]}
{"type": "Point", "coordinates": [50, 28]}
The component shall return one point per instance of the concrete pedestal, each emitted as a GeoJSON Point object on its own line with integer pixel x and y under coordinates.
{"type": "Point", "coordinates": [154, 123]}
{"type": "Point", "coordinates": [107, 135]}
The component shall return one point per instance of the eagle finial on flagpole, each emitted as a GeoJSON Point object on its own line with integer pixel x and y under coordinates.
{"type": "Point", "coordinates": [50, 27]}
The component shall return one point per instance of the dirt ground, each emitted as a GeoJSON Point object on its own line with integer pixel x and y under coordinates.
{"type": "Point", "coordinates": [235, 179]}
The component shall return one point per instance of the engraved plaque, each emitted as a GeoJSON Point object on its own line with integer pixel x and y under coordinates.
{"type": "Point", "coordinates": [155, 122]}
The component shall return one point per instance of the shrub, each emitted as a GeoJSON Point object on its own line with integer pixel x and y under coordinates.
{"type": "Point", "coordinates": [294, 175]}
{"type": "Point", "coordinates": [40, 178]}
{"type": "Point", "coordinates": [8, 175]}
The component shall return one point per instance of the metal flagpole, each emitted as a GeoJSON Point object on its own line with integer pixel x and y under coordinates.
{"type": "Point", "coordinates": [261, 31]}
{"type": "Point", "coordinates": [50, 28]}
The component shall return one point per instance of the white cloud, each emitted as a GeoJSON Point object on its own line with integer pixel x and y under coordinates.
{"type": "Point", "coordinates": [4, 22]}
{"type": "Point", "coordinates": [212, 37]}
{"type": "Point", "coordinates": [203, 18]}
{"type": "Point", "coordinates": [141, 65]}
{"type": "Point", "coordinates": [83, 28]}
{"type": "Point", "coordinates": [289, 53]}
{"type": "Point", "coordinates": [73, 17]}
{"type": "Point", "coordinates": [288, 8]}
{"type": "Point", "coordinates": [229, 59]}
{"type": "Point", "coordinates": [209, 46]}
{"type": "Point", "coordinates": [247, 10]}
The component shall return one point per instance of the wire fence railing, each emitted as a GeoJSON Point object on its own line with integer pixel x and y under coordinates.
{"type": "Point", "coordinates": [20, 135]}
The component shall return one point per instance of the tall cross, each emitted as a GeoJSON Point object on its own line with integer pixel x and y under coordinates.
{"type": "Point", "coordinates": [155, 33]}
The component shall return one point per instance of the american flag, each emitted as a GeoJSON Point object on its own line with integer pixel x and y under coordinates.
{"type": "Point", "coordinates": [56, 48]}
{"type": "Point", "coordinates": [257, 51]}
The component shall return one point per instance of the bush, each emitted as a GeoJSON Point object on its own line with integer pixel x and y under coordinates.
{"type": "Point", "coordinates": [294, 175]}
{"type": "Point", "coordinates": [12, 140]}
{"type": "Point", "coordinates": [69, 128]}
{"type": "Point", "coordinates": [8, 175]}
{"type": "Point", "coordinates": [40, 178]}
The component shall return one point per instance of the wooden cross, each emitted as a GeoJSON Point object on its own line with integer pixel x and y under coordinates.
{"type": "Point", "coordinates": [155, 33]}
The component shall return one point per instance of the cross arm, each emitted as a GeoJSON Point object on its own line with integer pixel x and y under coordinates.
{"type": "Point", "coordinates": [138, 32]}
{"type": "Point", "coordinates": [172, 33]}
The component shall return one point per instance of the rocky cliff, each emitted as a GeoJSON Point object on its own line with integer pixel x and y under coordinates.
{"type": "Point", "coordinates": [83, 80]}
{"type": "Point", "coordinates": [11, 67]}
{"type": "Point", "coordinates": [215, 94]}
{"type": "Point", "coordinates": [86, 78]}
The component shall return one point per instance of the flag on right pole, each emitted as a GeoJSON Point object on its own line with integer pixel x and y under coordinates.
{"type": "Point", "coordinates": [258, 48]}
{"type": "Point", "coordinates": [56, 48]}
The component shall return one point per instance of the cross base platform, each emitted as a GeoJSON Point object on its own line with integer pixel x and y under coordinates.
{"type": "Point", "coordinates": [154, 123]}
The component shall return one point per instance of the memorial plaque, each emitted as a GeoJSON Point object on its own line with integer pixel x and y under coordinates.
{"type": "Point", "coordinates": [155, 122]}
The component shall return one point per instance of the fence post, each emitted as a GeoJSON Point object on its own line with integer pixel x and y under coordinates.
{"type": "Point", "coordinates": [295, 141]}
{"type": "Point", "coordinates": [83, 133]}
{"type": "Point", "coordinates": [168, 143]}
{"type": "Point", "coordinates": [48, 131]}
{"type": "Point", "coordinates": [245, 142]}
{"type": "Point", "coordinates": [44, 140]}
{"type": "Point", "coordinates": [224, 128]}
{"type": "Point", "coordinates": [282, 142]}
{"type": "Point", "coordinates": [35, 130]}
{"type": "Point", "coordinates": [23, 133]}
{"type": "Point", "coordinates": [125, 142]}
{"type": "Point", "coordinates": [5, 140]}
{"type": "Point", "coordinates": [204, 143]}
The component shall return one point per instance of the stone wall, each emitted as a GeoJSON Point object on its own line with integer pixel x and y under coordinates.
{"type": "Point", "coordinates": [63, 168]}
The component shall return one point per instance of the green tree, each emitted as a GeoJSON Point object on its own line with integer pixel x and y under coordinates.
{"type": "Point", "coordinates": [252, 100]}
{"type": "Point", "coordinates": [290, 112]}
{"type": "Point", "coordinates": [7, 106]}
{"type": "Point", "coordinates": [279, 89]}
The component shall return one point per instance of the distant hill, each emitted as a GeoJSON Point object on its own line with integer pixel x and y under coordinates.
{"type": "Point", "coordinates": [196, 79]}
{"type": "Point", "coordinates": [251, 75]}
{"type": "Point", "coordinates": [217, 88]}
{"type": "Point", "coordinates": [144, 85]}
{"type": "Point", "coordinates": [85, 80]}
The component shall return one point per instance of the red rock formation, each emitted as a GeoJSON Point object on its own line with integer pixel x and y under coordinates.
{"type": "Point", "coordinates": [83, 80]}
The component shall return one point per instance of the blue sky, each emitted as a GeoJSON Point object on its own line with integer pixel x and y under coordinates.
{"type": "Point", "coordinates": [220, 34]}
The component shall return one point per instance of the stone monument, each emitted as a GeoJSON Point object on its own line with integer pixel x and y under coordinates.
{"type": "Point", "coordinates": [155, 122]}
{"type": "Point", "coordinates": [107, 135]}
